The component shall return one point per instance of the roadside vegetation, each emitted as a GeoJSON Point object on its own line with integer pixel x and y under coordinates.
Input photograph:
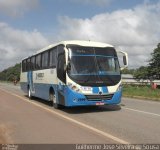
{"type": "Point", "coordinates": [150, 73]}
{"type": "Point", "coordinates": [10, 74]}
{"type": "Point", "coordinates": [141, 92]}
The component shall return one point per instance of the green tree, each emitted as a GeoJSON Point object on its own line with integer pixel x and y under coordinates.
{"type": "Point", "coordinates": [154, 63]}
{"type": "Point", "coordinates": [141, 73]}
{"type": "Point", "coordinates": [11, 73]}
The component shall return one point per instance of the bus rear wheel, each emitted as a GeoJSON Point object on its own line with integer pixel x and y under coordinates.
{"type": "Point", "coordinates": [29, 93]}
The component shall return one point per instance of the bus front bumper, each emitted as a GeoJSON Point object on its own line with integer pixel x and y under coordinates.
{"type": "Point", "coordinates": [77, 99]}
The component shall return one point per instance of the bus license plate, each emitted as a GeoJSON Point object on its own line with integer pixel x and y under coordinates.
{"type": "Point", "coordinates": [99, 103]}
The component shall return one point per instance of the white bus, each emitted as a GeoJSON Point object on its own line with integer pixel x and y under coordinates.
{"type": "Point", "coordinates": [74, 73]}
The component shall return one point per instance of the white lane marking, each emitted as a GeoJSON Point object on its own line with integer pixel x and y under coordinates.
{"type": "Point", "coordinates": [141, 100]}
{"type": "Point", "coordinates": [144, 112]}
{"type": "Point", "coordinates": [105, 134]}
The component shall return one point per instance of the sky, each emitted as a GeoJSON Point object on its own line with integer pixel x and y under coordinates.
{"type": "Point", "coordinates": [29, 25]}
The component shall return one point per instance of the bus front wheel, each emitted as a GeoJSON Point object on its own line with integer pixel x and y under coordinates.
{"type": "Point", "coordinates": [52, 98]}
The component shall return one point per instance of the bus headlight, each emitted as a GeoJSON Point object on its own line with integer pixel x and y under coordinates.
{"type": "Point", "coordinates": [73, 87]}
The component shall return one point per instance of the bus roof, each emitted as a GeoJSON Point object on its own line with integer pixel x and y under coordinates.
{"type": "Point", "coordinates": [77, 42]}
{"type": "Point", "coordinates": [74, 42]}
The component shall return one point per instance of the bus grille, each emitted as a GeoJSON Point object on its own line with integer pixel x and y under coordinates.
{"type": "Point", "coordinates": [99, 97]}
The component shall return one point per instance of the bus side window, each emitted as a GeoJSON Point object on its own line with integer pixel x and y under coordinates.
{"type": "Point", "coordinates": [38, 62]}
{"type": "Point", "coordinates": [24, 66]}
{"type": "Point", "coordinates": [28, 64]}
{"type": "Point", "coordinates": [61, 73]}
{"type": "Point", "coordinates": [33, 63]}
{"type": "Point", "coordinates": [53, 57]}
{"type": "Point", "coordinates": [60, 49]}
{"type": "Point", "coordinates": [45, 60]}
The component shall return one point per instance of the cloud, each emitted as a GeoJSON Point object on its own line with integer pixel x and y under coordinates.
{"type": "Point", "coordinates": [94, 2]}
{"type": "Point", "coordinates": [16, 7]}
{"type": "Point", "coordinates": [133, 30]}
{"type": "Point", "coordinates": [16, 44]}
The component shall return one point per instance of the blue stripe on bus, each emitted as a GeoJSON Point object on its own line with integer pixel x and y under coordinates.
{"type": "Point", "coordinates": [95, 90]}
{"type": "Point", "coordinates": [105, 89]}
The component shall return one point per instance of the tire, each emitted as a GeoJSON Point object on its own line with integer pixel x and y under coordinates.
{"type": "Point", "coordinates": [52, 98]}
{"type": "Point", "coordinates": [29, 93]}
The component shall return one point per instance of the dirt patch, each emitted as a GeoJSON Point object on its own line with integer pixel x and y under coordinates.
{"type": "Point", "coordinates": [5, 134]}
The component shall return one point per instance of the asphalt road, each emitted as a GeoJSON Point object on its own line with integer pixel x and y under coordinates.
{"type": "Point", "coordinates": [23, 121]}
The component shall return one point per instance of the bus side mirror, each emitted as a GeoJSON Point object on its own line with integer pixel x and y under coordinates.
{"type": "Point", "coordinates": [125, 60]}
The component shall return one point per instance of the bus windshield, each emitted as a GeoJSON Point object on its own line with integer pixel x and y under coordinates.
{"type": "Point", "coordinates": [93, 66]}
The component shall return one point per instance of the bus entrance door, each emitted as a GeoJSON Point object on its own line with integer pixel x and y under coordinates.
{"type": "Point", "coordinates": [30, 81]}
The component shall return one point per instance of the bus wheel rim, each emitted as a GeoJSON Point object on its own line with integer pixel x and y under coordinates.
{"type": "Point", "coordinates": [29, 93]}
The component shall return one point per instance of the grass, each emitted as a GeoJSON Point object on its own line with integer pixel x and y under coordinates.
{"type": "Point", "coordinates": [142, 92]}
